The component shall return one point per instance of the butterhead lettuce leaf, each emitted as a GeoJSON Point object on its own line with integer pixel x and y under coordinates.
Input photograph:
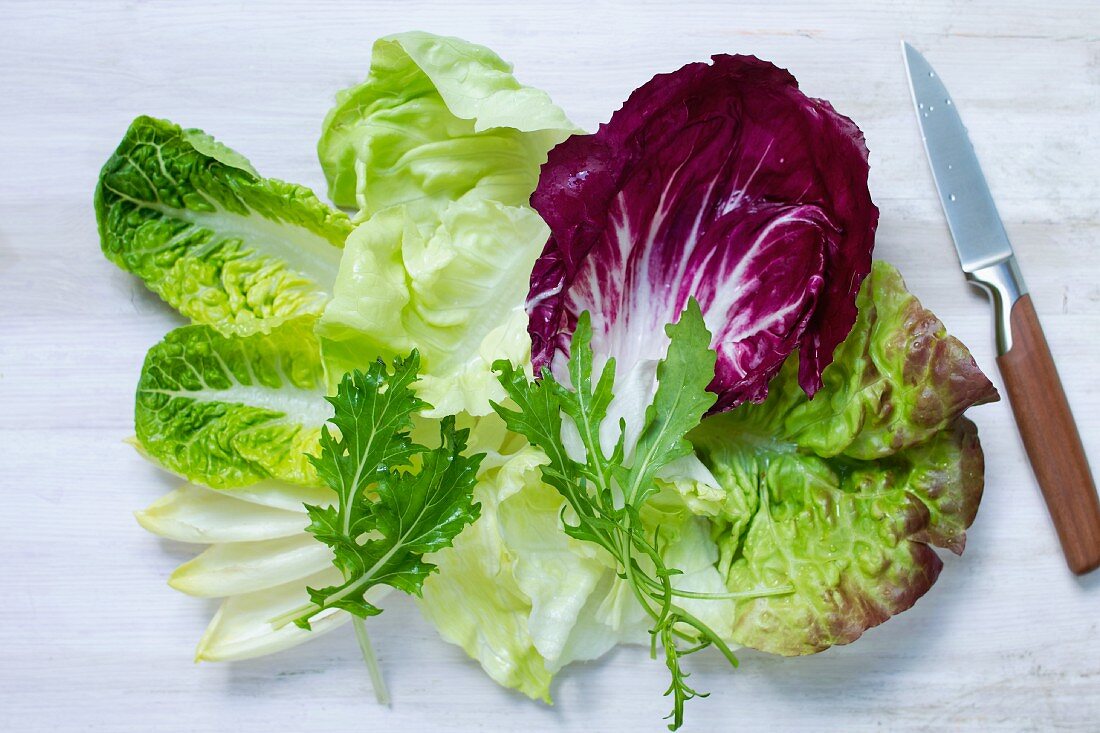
{"type": "Point", "coordinates": [843, 496]}
{"type": "Point", "coordinates": [525, 599]}
{"type": "Point", "coordinates": [456, 295]}
{"type": "Point", "coordinates": [222, 245]}
{"type": "Point", "coordinates": [436, 119]}
{"type": "Point", "coordinates": [440, 150]}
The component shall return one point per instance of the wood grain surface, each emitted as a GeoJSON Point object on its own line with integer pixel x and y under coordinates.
{"type": "Point", "coordinates": [1051, 439]}
{"type": "Point", "coordinates": [93, 639]}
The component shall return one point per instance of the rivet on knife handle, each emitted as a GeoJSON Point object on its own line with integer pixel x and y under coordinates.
{"type": "Point", "coordinates": [1051, 439]}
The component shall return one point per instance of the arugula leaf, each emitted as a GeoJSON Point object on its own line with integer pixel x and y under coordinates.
{"type": "Point", "coordinates": [607, 491]}
{"type": "Point", "coordinates": [396, 500]}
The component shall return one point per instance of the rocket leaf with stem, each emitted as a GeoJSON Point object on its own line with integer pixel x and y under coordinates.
{"type": "Point", "coordinates": [606, 491]}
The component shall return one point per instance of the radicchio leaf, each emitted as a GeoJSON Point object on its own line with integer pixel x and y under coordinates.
{"type": "Point", "coordinates": [723, 182]}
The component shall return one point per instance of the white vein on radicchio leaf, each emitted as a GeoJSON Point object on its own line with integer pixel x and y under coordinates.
{"type": "Point", "coordinates": [720, 181]}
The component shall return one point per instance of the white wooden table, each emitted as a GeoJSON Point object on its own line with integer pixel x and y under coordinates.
{"type": "Point", "coordinates": [92, 639]}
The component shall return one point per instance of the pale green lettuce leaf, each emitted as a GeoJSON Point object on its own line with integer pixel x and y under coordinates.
{"type": "Point", "coordinates": [231, 568]}
{"type": "Point", "coordinates": [456, 295]}
{"type": "Point", "coordinates": [242, 629]}
{"type": "Point", "coordinates": [281, 495]}
{"type": "Point", "coordinates": [440, 149]}
{"type": "Point", "coordinates": [194, 513]}
{"type": "Point", "coordinates": [437, 118]}
{"type": "Point", "coordinates": [842, 497]}
{"type": "Point", "coordinates": [226, 412]}
{"type": "Point", "coordinates": [525, 599]}
{"type": "Point", "coordinates": [474, 600]}
{"type": "Point", "coordinates": [203, 230]}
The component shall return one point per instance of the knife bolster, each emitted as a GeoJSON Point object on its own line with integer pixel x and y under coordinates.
{"type": "Point", "coordinates": [1005, 285]}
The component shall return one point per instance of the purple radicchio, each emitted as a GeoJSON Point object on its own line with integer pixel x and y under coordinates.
{"type": "Point", "coordinates": [723, 182]}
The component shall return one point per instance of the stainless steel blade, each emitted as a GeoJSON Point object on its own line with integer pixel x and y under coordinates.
{"type": "Point", "coordinates": [984, 250]}
{"type": "Point", "coordinates": [975, 225]}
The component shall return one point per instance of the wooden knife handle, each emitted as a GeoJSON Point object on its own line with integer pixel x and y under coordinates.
{"type": "Point", "coordinates": [1051, 439]}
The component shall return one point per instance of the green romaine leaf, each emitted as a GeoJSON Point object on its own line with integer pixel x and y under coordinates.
{"type": "Point", "coordinates": [228, 412]}
{"type": "Point", "coordinates": [839, 497]}
{"type": "Point", "coordinates": [203, 230]}
{"type": "Point", "coordinates": [436, 119]}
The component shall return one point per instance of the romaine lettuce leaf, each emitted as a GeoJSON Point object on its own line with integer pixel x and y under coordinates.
{"type": "Point", "coordinates": [230, 411]}
{"type": "Point", "coordinates": [841, 496]}
{"type": "Point", "coordinates": [440, 149]}
{"type": "Point", "coordinates": [721, 182]}
{"type": "Point", "coordinates": [203, 230]}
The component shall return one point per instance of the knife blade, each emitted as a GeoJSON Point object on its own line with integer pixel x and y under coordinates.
{"type": "Point", "coordinates": [1035, 391]}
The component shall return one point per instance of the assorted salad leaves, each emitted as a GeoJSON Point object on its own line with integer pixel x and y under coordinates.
{"type": "Point", "coordinates": [673, 402]}
{"type": "Point", "coordinates": [607, 485]}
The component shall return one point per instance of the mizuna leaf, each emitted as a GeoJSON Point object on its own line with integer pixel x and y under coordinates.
{"type": "Point", "coordinates": [387, 515]}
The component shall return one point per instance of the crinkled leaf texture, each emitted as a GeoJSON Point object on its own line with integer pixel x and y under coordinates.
{"type": "Point", "coordinates": [440, 149]}
{"type": "Point", "coordinates": [203, 230]}
{"type": "Point", "coordinates": [456, 294]}
{"type": "Point", "coordinates": [230, 411]}
{"type": "Point", "coordinates": [721, 182]}
{"type": "Point", "coordinates": [843, 496]}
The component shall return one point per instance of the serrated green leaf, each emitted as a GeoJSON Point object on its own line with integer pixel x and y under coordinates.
{"type": "Point", "coordinates": [680, 403]}
{"type": "Point", "coordinates": [606, 491]}
{"type": "Point", "coordinates": [387, 515]}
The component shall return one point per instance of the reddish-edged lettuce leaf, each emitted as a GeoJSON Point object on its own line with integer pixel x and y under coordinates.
{"type": "Point", "coordinates": [723, 182]}
{"type": "Point", "coordinates": [843, 497]}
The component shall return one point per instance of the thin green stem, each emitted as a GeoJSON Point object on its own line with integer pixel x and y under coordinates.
{"type": "Point", "coordinates": [285, 618]}
{"type": "Point", "coordinates": [780, 590]}
{"type": "Point", "coordinates": [381, 694]}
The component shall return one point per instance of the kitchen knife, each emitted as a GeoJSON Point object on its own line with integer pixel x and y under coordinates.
{"type": "Point", "coordinates": [1034, 390]}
